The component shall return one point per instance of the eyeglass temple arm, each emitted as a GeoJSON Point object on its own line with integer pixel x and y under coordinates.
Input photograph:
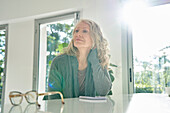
{"type": "Point", "coordinates": [52, 93]}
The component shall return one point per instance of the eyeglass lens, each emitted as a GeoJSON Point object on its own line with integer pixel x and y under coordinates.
{"type": "Point", "coordinates": [16, 100]}
{"type": "Point", "coordinates": [31, 97]}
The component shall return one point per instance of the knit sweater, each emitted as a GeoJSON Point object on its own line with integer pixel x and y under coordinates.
{"type": "Point", "coordinates": [63, 77]}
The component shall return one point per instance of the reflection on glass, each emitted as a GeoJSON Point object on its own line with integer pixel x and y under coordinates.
{"type": "Point", "coordinates": [30, 108]}
{"type": "Point", "coordinates": [73, 105]}
{"type": "Point", "coordinates": [16, 109]}
{"type": "Point", "coordinates": [77, 106]}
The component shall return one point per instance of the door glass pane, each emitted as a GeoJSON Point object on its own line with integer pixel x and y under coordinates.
{"type": "Point", "coordinates": [151, 50]}
{"type": "Point", "coordinates": [2, 61]}
{"type": "Point", "coordinates": [53, 38]}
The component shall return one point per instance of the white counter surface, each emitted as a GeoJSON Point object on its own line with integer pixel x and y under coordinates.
{"type": "Point", "coordinates": [136, 103]}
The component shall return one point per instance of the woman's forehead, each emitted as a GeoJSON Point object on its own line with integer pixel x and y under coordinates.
{"type": "Point", "coordinates": [82, 25]}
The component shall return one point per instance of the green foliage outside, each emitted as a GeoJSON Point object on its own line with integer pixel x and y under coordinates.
{"type": "Point", "coordinates": [111, 73]}
{"type": "Point", "coordinates": [153, 76]}
{"type": "Point", "coordinates": [59, 36]}
{"type": "Point", "coordinates": [2, 58]}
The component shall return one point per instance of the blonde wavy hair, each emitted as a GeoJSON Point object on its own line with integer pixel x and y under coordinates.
{"type": "Point", "coordinates": [98, 41]}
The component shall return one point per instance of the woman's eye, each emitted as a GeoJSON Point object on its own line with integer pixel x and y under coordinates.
{"type": "Point", "coordinates": [85, 31]}
{"type": "Point", "coordinates": [76, 31]}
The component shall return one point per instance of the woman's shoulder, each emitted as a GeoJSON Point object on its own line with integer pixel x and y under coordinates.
{"type": "Point", "coordinates": [62, 58]}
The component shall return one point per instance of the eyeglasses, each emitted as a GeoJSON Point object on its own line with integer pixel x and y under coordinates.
{"type": "Point", "coordinates": [31, 97]}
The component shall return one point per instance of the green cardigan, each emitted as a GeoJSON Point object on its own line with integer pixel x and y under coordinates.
{"type": "Point", "coordinates": [63, 77]}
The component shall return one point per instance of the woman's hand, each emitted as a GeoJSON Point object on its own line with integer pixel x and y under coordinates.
{"type": "Point", "coordinates": [93, 55]}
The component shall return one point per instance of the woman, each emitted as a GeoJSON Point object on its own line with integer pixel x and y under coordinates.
{"type": "Point", "coordinates": [82, 68]}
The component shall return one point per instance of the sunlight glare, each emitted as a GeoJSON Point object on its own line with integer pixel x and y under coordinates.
{"type": "Point", "coordinates": [151, 32]}
{"type": "Point", "coordinates": [131, 10]}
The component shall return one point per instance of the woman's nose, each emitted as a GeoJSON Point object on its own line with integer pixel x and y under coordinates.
{"type": "Point", "coordinates": [79, 34]}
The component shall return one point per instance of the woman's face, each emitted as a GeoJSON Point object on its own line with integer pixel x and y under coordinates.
{"type": "Point", "coordinates": [81, 36]}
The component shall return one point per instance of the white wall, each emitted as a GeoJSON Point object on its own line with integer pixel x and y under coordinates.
{"type": "Point", "coordinates": [20, 57]}
{"type": "Point", "coordinates": [20, 15]}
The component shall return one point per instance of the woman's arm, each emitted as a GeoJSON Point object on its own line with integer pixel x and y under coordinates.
{"type": "Point", "coordinates": [54, 81]}
{"type": "Point", "coordinates": [101, 77]}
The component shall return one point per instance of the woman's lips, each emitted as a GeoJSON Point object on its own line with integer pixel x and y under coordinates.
{"type": "Point", "coordinates": [79, 40]}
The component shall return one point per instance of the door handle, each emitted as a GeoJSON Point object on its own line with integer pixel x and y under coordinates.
{"type": "Point", "coordinates": [130, 73]}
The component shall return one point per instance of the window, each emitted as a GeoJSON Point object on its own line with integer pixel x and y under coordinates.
{"type": "Point", "coordinates": [151, 50]}
{"type": "Point", "coordinates": [148, 58]}
{"type": "Point", "coordinates": [51, 36]}
{"type": "Point", "coordinates": [3, 61]}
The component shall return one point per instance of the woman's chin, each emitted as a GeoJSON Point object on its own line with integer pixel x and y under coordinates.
{"type": "Point", "coordinates": [78, 45]}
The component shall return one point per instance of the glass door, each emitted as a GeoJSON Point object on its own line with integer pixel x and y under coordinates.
{"type": "Point", "coordinates": [151, 50]}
